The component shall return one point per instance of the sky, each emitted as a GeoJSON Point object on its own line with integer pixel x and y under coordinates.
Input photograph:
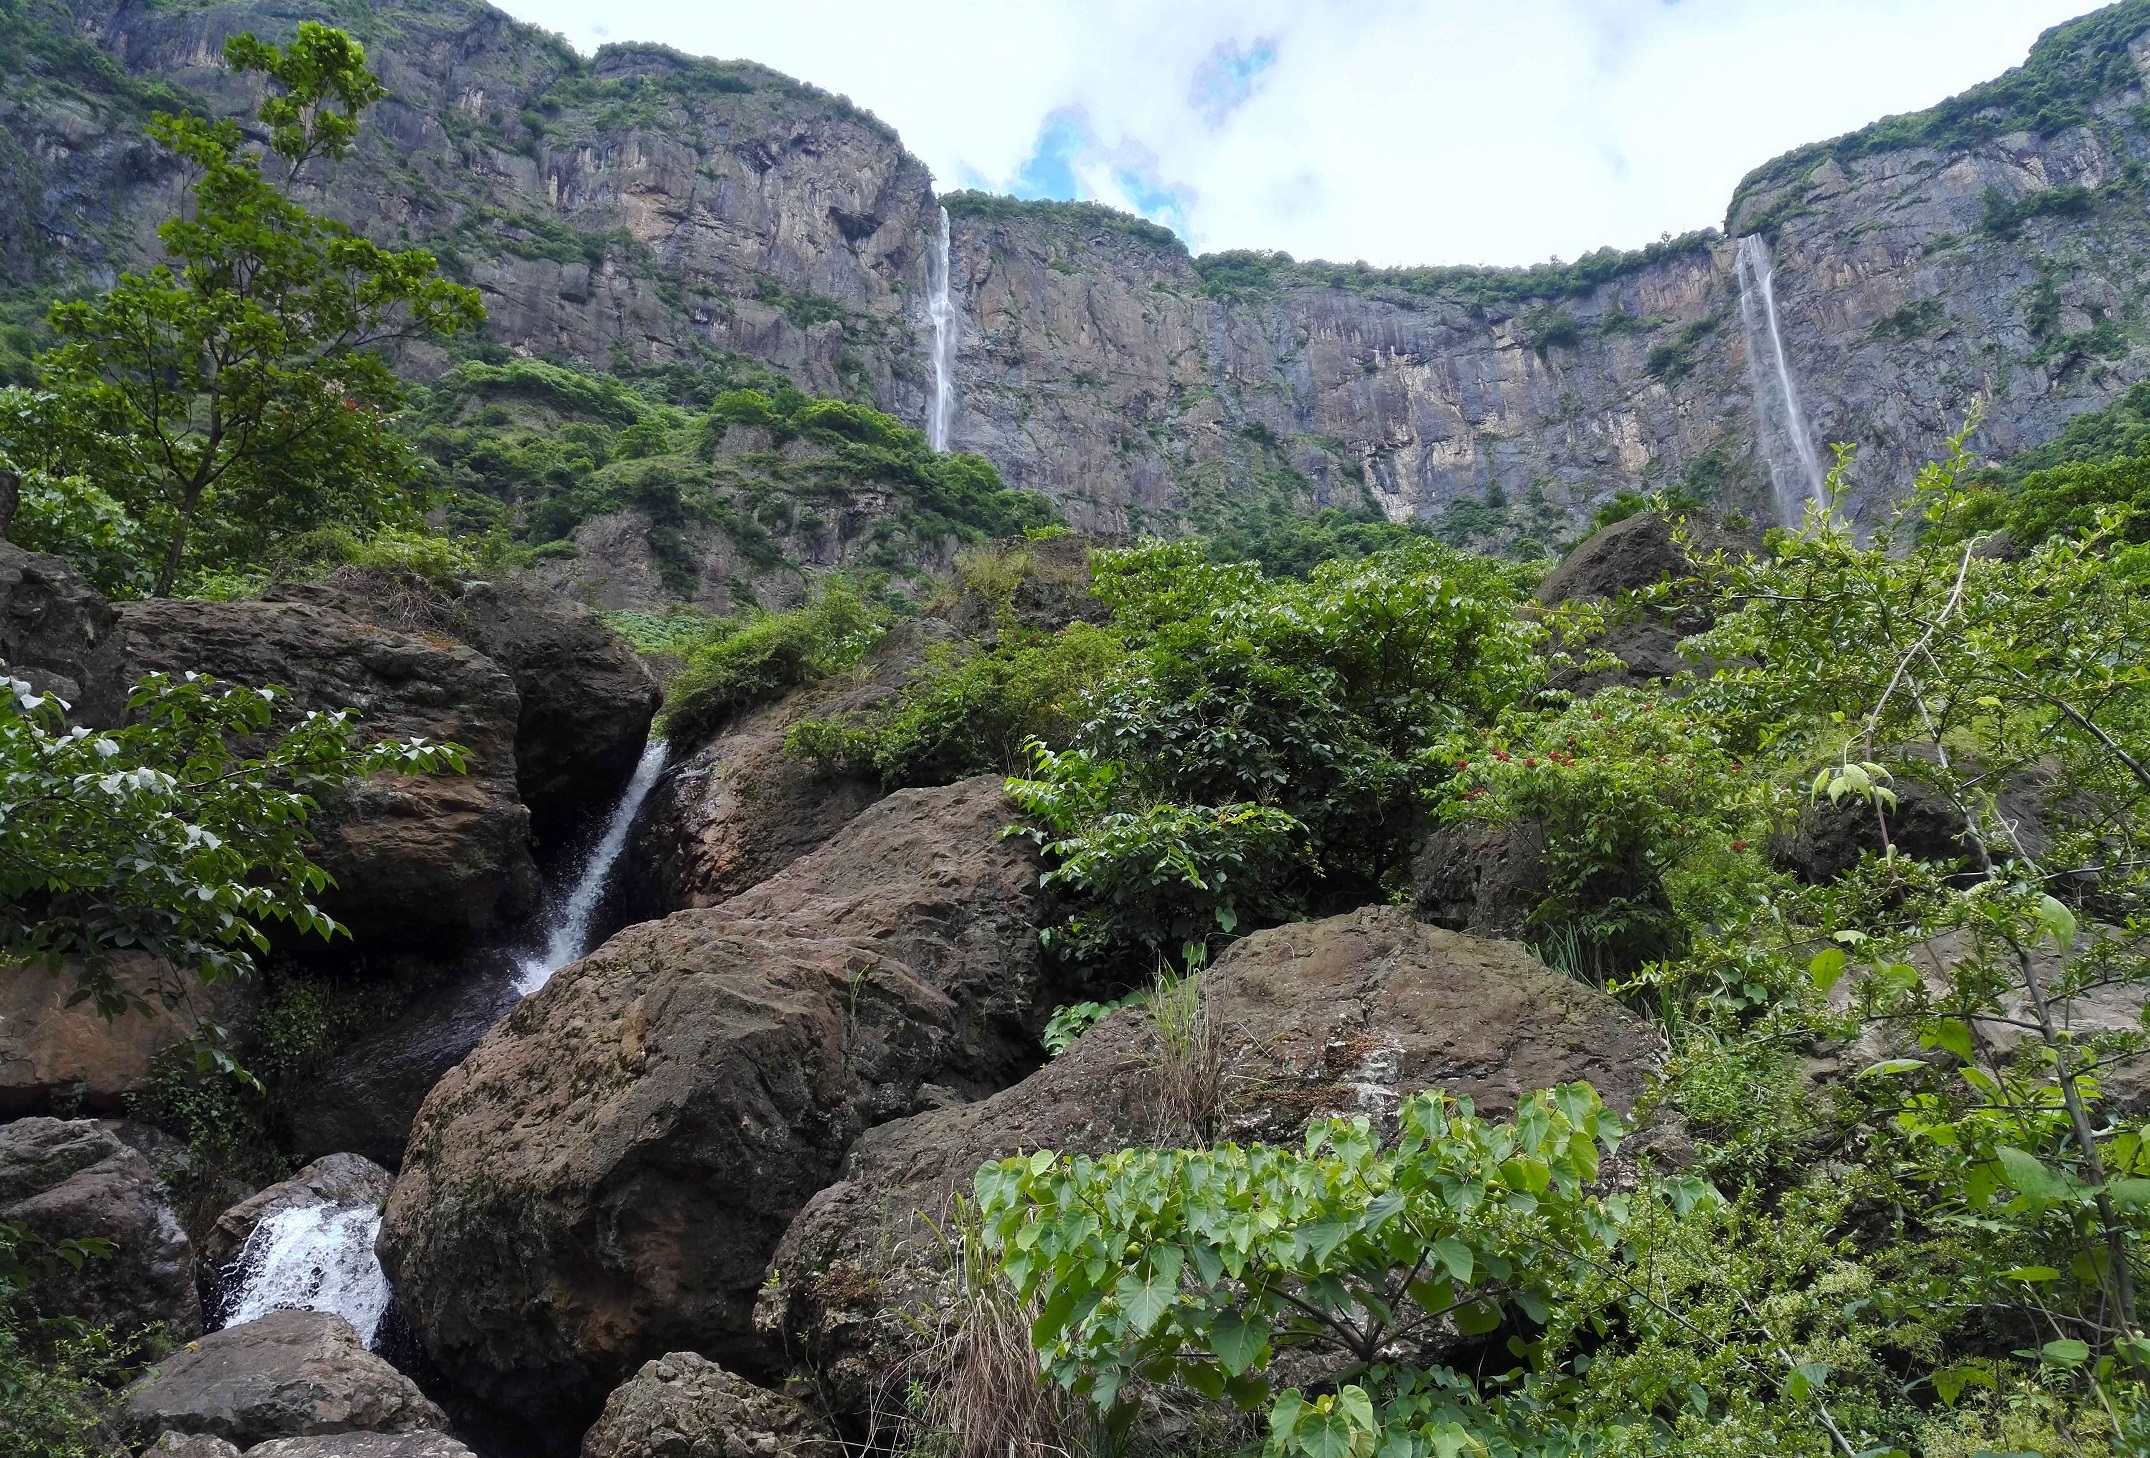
{"type": "Point", "coordinates": [1393, 131]}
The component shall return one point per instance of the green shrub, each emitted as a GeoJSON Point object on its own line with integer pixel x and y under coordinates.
{"type": "Point", "coordinates": [764, 657]}
{"type": "Point", "coordinates": [967, 713]}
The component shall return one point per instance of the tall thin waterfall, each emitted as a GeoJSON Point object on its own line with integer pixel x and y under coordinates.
{"type": "Point", "coordinates": [943, 315]}
{"type": "Point", "coordinates": [315, 1258]}
{"type": "Point", "coordinates": [568, 937]}
{"type": "Point", "coordinates": [1795, 467]}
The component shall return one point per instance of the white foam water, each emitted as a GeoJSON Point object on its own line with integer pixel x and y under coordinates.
{"type": "Point", "coordinates": [943, 315]}
{"type": "Point", "coordinates": [312, 1258]}
{"type": "Point", "coordinates": [568, 937]}
{"type": "Point", "coordinates": [1795, 467]}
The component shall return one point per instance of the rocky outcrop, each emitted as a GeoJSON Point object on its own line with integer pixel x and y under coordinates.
{"type": "Point", "coordinates": [584, 699]}
{"type": "Point", "coordinates": [1828, 838]}
{"type": "Point", "coordinates": [1481, 878]}
{"type": "Point", "coordinates": [682, 1405]}
{"type": "Point", "coordinates": [336, 1179]}
{"type": "Point", "coordinates": [1337, 1017]}
{"type": "Point", "coordinates": [423, 1444]}
{"type": "Point", "coordinates": [437, 860]}
{"type": "Point", "coordinates": [60, 1057]}
{"type": "Point", "coordinates": [738, 809]}
{"type": "Point", "coordinates": [603, 1179]}
{"type": "Point", "coordinates": [56, 632]}
{"type": "Point", "coordinates": [1640, 552]}
{"type": "Point", "coordinates": [587, 701]}
{"type": "Point", "coordinates": [287, 1374]}
{"type": "Point", "coordinates": [75, 1180]}
{"type": "Point", "coordinates": [191, 1445]}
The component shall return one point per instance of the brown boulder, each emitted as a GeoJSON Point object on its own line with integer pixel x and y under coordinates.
{"type": "Point", "coordinates": [74, 1180]}
{"type": "Point", "coordinates": [603, 1179]}
{"type": "Point", "coordinates": [682, 1405]}
{"type": "Point", "coordinates": [1336, 1017]}
{"type": "Point", "coordinates": [425, 859]}
{"type": "Point", "coordinates": [1638, 552]}
{"type": "Point", "coordinates": [54, 1056]}
{"type": "Point", "coordinates": [287, 1374]}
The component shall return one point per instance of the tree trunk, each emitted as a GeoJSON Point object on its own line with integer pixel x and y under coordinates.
{"type": "Point", "coordinates": [10, 499]}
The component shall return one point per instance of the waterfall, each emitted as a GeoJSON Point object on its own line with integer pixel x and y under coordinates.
{"type": "Point", "coordinates": [944, 340]}
{"type": "Point", "coordinates": [1795, 467]}
{"type": "Point", "coordinates": [316, 1258]}
{"type": "Point", "coordinates": [568, 937]}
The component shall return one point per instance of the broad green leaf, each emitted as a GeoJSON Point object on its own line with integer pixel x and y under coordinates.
{"type": "Point", "coordinates": [1826, 968]}
{"type": "Point", "coordinates": [2026, 1175]}
{"type": "Point", "coordinates": [1478, 1318]}
{"type": "Point", "coordinates": [1456, 1256]}
{"type": "Point", "coordinates": [2065, 1352]}
{"type": "Point", "coordinates": [1889, 1066]}
{"type": "Point", "coordinates": [1237, 1342]}
{"type": "Point", "coordinates": [2058, 920]}
{"type": "Point", "coordinates": [2030, 1273]}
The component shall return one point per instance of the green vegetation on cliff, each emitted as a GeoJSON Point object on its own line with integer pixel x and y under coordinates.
{"type": "Point", "coordinates": [2070, 69]}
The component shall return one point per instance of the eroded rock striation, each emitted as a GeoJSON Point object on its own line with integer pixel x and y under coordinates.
{"type": "Point", "coordinates": [603, 1180]}
{"type": "Point", "coordinates": [682, 1405]}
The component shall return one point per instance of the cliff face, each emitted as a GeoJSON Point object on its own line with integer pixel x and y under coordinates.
{"type": "Point", "coordinates": [641, 205]}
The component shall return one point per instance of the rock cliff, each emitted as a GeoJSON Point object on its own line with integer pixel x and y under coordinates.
{"type": "Point", "coordinates": [642, 206]}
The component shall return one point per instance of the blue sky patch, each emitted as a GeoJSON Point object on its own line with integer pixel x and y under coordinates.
{"type": "Point", "coordinates": [1225, 81]}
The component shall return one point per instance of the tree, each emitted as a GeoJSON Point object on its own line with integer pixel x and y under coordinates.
{"type": "Point", "coordinates": [235, 394]}
{"type": "Point", "coordinates": [182, 834]}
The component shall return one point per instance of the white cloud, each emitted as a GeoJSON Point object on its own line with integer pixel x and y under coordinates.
{"type": "Point", "coordinates": [1398, 131]}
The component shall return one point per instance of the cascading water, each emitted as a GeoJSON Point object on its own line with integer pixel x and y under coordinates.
{"type": "Point", "coordinates": [943, 315]}
{"type": "Point", "coordinates": [569, 934]}
{"type": "Point", "coordinates": [315, 1258]}
{"type": "Point", "coordinates": [1795, 467]}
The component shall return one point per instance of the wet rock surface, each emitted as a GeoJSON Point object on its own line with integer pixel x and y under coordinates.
{"type": "Point", "coordinates": [603, 1180]}
{"type": "Point", "coordinates": [75, 1180]}
{"type": "Point", "coordinates": [364, 1097]}
{"type": "Point", "coordinates": [682, 1405]}
{"type": "Point", "coordinates": [423, 1444]}
{"type": "Point", "coordinates": [425, 859]}
{"type": "Point", "coordinates": [336, 1179]}
{"type": "Point", "coordinates": [1336, 1017]}
{"type": "Point", "coordinates": [287, 1374]}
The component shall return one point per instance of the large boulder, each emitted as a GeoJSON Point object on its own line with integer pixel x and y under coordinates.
{"type": "Point", "coordinates": [61, 1056]}
{"type": "Point", "coordinates": [586, 699]}
{"type": "Point", "coordinates": [1828, 838]}
{"type": "Point", "coordinates": [287, 1374]}
{"type": "Point", "coordinates": [738, 809]}
{"type": "Point", "coordinates": [1481, 878]}
{"type": "Point", "coordinates": [602, 1181]}
{"type": "Point", "coordinates": [418, 860]}
{"type": "Point", "coordinates": [336, 1179]}
{"type": "Point", "coordinates": [682, 1405]}
{"type": "Point", "coordinates": [73, 1180]}
{"type": "Point", "coordinates": [57, 632]}
{"type": "Point", "coordinates": [1626, 557]}
{"type": "Point", "coordinates": [1343, 1016]}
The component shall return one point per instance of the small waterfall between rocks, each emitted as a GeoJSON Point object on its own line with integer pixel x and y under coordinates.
{"type": "Point", "coordinates": [942, 313]}
{"type": "Point", "coordinates": [314, 1258]}
{"type": "Point", "coordinates": [1795, 467]}
{"type": "Point", "coordinates": [569, 935]}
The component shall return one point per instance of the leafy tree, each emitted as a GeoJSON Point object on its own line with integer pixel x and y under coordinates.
{"type": "Point", "coordinates": [182, 834]}
{"type": "Point", "coordinates": [235, 394]}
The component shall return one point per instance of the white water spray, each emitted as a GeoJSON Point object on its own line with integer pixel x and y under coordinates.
{"type": "Point", "coordinates": [569, 936]}
{"type": "Point", "coordinates": [1795, 467]}
{"type": "Point", "coordinates": [312, 1258]}
{"type": "Point", "coordinates": [943, 314]}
